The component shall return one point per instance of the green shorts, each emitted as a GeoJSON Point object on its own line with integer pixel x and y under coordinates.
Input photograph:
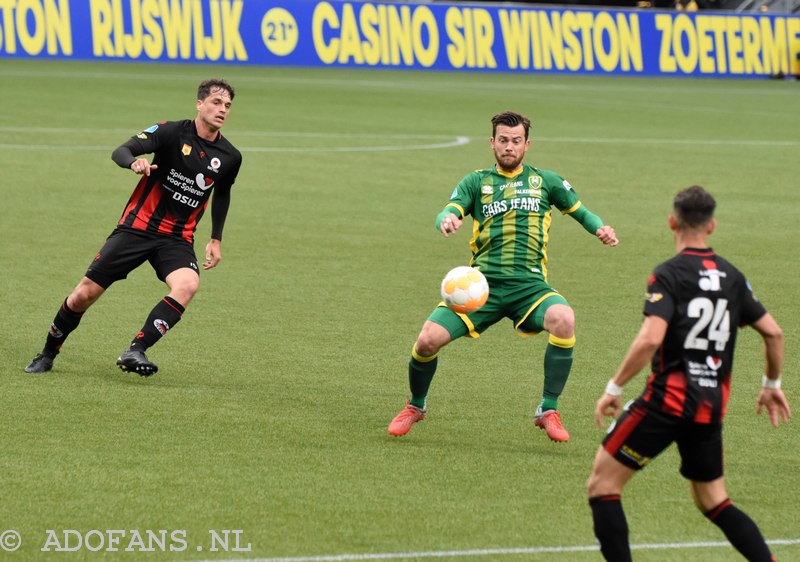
{"type": "Point", "coordinates": [524, 303]}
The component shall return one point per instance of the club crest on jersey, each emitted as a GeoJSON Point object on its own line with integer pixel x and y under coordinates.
{"type": "Point", "coordinates": [710, 276]}
{"type": "Point", "coordinates": [215, 164]}
{"type": "Point", "coordinates": [535, 182]}
{"type": "Point", "coordinates": [486, 189]}
{"type": "Point", "coordinates": [186, 150]}
{"type": "Point", "coordinates": [203, 182]}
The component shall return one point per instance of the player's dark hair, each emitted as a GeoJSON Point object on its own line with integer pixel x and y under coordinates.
{"type": "Point", "coordinates": [207, 86]}
{"type": "Point", "coordinates": [510, 119]}
{"type": "Point", "coordinates": [693, 207]}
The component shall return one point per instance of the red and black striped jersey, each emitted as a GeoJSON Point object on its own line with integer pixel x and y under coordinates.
{"type": "Point", "coordinates": [704, 300]}
{"type": "Point", "coordinates": [172, 199]}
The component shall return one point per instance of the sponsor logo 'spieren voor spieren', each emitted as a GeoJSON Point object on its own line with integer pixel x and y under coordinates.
{"type": "Point", "coordinates": [187, 185]}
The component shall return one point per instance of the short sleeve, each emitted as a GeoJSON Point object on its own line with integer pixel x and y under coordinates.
{"type": "Point", "coordinates": [752, 309]}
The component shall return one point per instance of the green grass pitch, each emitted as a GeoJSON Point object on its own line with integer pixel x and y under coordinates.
{"type": "Point", "coordinates": [269, 412]}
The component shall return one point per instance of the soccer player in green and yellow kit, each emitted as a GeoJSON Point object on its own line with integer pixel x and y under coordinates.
{"type": "Point", "coordinates": [511, 205]}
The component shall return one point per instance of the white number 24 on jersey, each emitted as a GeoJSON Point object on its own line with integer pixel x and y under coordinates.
{"type": "Point", "coordinates": [710, 314]}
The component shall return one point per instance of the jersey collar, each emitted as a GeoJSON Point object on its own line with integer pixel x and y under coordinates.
{"type": "Point", "coordinates": [513, 174]}
{"type": "Point", "coordinates": [702, 252]}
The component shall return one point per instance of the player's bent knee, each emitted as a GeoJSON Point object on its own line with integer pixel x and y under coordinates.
{"type": "Point", "coordinates": [84, 295]}
{"type": "Point", "coordinates": [708, 495]}
{"type": "Point", "coordinates": [190, 289]}
{"type": "Point", "coordinates": [183, 295]}
{"type": "Point", "coordinates": [431, 339]}
{"type": "Point", "coordinates": [596, 484]}
{"type": "Point", "coordinates": [183, 285]}
{"type": "Point", "coordinates": [426, 347]}
{"type": "Point", "coordinates": [591, 485]}
{"type": "Point", "coordinates": [559, 320]}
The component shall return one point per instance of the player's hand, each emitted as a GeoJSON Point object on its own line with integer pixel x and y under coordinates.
{"type": "Point", "coordinates": [607, 235]}
{"type": "Point", "coordinates": [608, 406]}
{"type": "Point", "coordinates": [773, 400]}
{"type": "Point", "coordinates": [450, 224]}
{"type": "Point", "coordinates": [213, 254]}
{"type": "Point", "coordinates": [142, 166]}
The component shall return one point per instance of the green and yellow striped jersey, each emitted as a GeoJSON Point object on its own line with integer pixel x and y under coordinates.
{"type": "Point", "coordinates": [511, 219]}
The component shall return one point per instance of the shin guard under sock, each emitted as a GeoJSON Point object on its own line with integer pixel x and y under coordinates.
{"type": "Point", "coordinates": [420, 374]}
{"type": "Point", "coordinates": [66, 321]}
{"type": "Point", "coordinates": [557, 365]}
{"type": "Point", "coordinates": [162, 318]}
{"type": "Point", "coordinates": [611, 527]}
{"type": "Point", "coordinates": [741, 531]}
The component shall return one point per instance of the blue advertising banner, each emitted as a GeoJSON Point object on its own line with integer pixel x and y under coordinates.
{"type": "Point", "coordinates": [404, 35]}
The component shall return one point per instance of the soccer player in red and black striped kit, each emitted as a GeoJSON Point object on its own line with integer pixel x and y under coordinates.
{"type": "Point", "coordinates": [694, 304]}
{"type": "Point", "coordinates": [191, 159]}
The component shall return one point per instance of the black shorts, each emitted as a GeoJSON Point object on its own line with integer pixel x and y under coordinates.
{"type": "Point", "coordinates": [126, 250]}
{"type": "Point", "coordinates": [641, 434]}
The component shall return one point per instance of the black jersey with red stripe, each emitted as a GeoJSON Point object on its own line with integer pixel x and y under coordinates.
{"type": "Point", "coordinates": [704, 300]}
{"type": "Point", "coordinates": [172, 199]}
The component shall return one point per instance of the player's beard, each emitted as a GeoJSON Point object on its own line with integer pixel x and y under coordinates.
{"type": "Point", "coordinates": [509, 162]}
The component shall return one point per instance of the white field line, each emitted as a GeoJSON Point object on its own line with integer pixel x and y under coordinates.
{"type": "Point", "coordinates": [389, 140]}
{"type": "Point", "coordinates": [388, 144]}
{"type": "Point", "coordinates": [458, 141]}
{"type": "Point", "coordinates": [129, 131]}
{"type": "Point", "coordinates": [400, 136]}
{"type": "Point", "coordinates": [492, 552]}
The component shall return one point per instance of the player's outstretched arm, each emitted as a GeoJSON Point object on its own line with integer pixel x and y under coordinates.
{"type": "Point", "coordinates": [594, 225]}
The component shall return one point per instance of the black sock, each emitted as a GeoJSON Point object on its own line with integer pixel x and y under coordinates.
{"type": "Point", "coordinates": [66, 321]}
{"type": "Point", "coordinates": [611, 527]}
{"type": "Point", "coordinates": [162, 318]}
{"type": "Point", "coordinates": [741, 531]}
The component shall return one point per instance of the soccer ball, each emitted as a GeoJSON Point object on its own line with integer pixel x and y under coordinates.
{"type": "Point", "coordinates": [464, 289]}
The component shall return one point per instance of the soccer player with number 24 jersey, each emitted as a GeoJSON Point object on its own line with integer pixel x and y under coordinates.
{"type": "Point", "coordinates": [694, 305]}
